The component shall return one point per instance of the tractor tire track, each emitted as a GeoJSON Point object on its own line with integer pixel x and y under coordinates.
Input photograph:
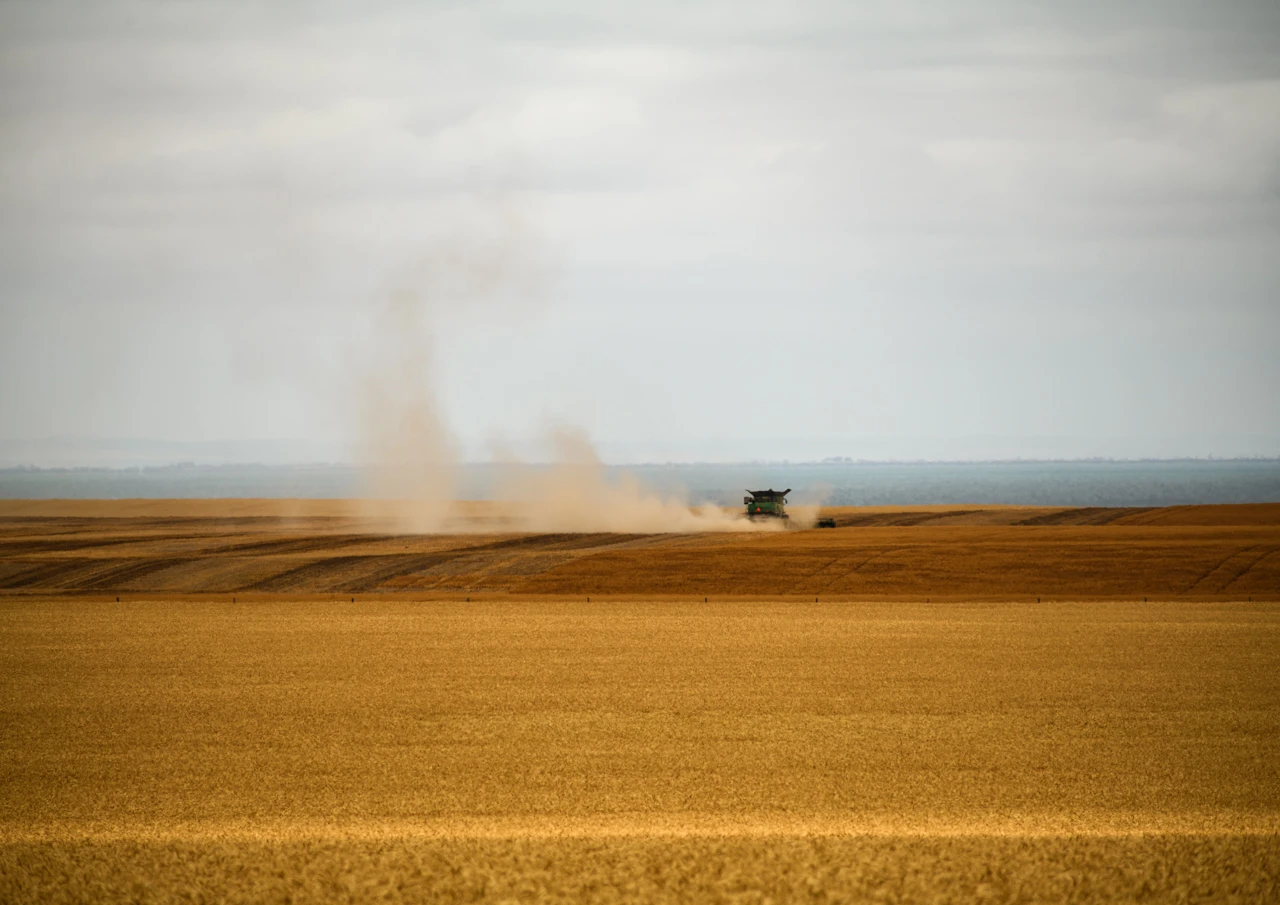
{"type": "Point", "coordinates": [46, 573]}
{"type": "Point", "coordinates": [85, 574]}
{"type": "Point", "coordinates": [118, 578]}
{"type": "Point", "coordinates": [30, 547]}
{"type": "Point", "coordinates": [301, 544]}
{"type": "Point", "coordinates": [816, 572]}
{"type": "Point", "coordinates": [854, 570]}
{"type": "Point", "coordinates": [898, 519]}
{"type": "Point", "coordinates": [1266, 554]}
{"type": "Point", "coordinates": [540, 542]}
{"type": "Point", "coordinates": [1211, 578]}
{"type": "Point", "coordinates": [348, 573]}
{"type": "Point", "coordinates": [1095, 516]}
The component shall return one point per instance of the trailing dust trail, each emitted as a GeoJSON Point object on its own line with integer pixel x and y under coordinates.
{"type": "Point", "coordinates": [574, 495]}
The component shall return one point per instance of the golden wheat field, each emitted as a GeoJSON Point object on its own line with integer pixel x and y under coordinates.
{"type": "Point", "coordinates": [295, 707]}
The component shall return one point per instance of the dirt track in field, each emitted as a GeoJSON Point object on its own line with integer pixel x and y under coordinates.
{"type": "Point", "coordinates": [164, 547]}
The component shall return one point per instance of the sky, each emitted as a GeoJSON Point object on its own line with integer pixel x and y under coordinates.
{"type": "Point", "coordinates": [717, 231]}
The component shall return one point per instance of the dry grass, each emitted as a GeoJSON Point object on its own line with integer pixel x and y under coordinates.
{"type": "Point", "coordinates": [532, 749]}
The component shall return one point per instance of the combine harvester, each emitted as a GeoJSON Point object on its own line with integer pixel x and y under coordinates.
{"type": "Point", "coordinates": [766, 504]}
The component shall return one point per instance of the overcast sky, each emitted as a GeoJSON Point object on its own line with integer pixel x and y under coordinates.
{"type": "Point", "coordinates": [733, 230]}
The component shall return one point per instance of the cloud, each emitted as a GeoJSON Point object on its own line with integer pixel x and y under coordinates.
{"type": "Point", "coordinates": [884, 175]}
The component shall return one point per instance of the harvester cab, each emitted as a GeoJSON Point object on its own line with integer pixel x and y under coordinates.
{"type": "Point", "coordinates": [767, 503]}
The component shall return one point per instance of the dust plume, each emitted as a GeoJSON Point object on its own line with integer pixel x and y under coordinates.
{"type": "Point", "coordinates": [406, 443]}
{"type": "Point", "coordinates": [409, 453]}
{"type": "Point", "coordinates": [573, 494]}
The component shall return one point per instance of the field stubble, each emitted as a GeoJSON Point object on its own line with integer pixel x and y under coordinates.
{"type": "Point", "coordinates": [286, 547]}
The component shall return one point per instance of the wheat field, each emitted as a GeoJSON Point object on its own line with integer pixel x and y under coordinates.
{"type": "Point", "coordinates": [297, 746]}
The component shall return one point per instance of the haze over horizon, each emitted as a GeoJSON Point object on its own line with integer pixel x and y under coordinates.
{"type": "Point", "coordinates": [743, 232]}
{"type": "Point", "coordinates": [130, 453]}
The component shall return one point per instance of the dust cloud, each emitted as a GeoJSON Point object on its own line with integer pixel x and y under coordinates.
{"type": "Point", "coordinates": [574, 494]}
{"type": "Point", "coordinates": [412, 456]}
{"type": "Point", "coordinates": [405, 442]}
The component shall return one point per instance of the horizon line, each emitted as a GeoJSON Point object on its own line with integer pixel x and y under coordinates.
{"type": "Point", "coordinates": [832, 461]}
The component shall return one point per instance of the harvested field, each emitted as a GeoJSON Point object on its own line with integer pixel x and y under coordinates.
{"type": "Point", "coordinates": [415, 746]}
{"type": "Point", "coordinates": [310, 547]}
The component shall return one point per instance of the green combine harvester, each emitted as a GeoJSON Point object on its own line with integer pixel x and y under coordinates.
{"type": "Point", "coordinates": [773, 504]}
{"type": "Point", "coordinates": [767, 503]}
